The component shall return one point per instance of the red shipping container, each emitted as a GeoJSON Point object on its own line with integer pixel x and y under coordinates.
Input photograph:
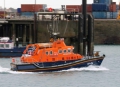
{"type": "Point", "coordinates": [112, 7]}
{"type": "Point", "coordinates": [78, 8]}
{"type": "Point", "coordinates": [2, 14]}
{"type": "Point", "coordinates": [73, 8]}
{"type": "Point", "coordinates": [31, 7]}
{"type": "Point", "coordinates": [88, 8]}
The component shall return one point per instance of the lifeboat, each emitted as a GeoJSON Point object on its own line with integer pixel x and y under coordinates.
{"type": "Point", "coordinates": [52, 56]}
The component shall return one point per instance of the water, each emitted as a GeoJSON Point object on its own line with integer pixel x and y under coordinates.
{"type": "Point", "coordinates": [107, 75]}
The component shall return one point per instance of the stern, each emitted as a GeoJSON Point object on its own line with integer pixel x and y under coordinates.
{"type": "Point", "coordinates": [13, 67]}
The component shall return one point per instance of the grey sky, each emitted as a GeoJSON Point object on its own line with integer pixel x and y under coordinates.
{"type": "Point", "coordinates": [50, 3]}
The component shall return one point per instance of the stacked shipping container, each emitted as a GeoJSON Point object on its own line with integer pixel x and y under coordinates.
{"type": "Point", "coordinates": [78, 8]}
{"type": "Point", "coordinates": [18, 10]}
{"type": "Point", "coordinates": [107, 2]}
{"type": "Point", "coordinates": [100, 9]}
{"type": "Point", "coordinates": [99, 15]}
{"type": "Point", "coordinates": [32, 7]}
{"type": "Point", "coordinates": [2, 14]}
{"type": "Point", "coordinates": [112, 7]}
{"type": "Point", "coordinates": [103, 9]}
{"type": "Point", "coordinates": [73, 8]}
{"type": "Point", "coordinates": [29, 9]}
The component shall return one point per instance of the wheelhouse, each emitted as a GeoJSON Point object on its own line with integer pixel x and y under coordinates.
{"type": "Point", "coordinates": [6, 43]}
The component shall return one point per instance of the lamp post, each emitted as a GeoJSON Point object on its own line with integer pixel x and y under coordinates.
{"type": "Point", "coordinates": [35, 2]}
{"type": "Point", "coordinates": [4, 9]}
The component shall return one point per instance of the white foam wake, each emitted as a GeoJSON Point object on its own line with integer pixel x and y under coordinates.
{"type": "Point", "coordinates": [8, 71]}
{"type": "Point", "coordinates": [90, 68]}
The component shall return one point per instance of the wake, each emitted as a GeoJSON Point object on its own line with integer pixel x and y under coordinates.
{"type": "Point", "coordinates": [8, 71]}
{"type": "Point", "coordinates": [90, 68]}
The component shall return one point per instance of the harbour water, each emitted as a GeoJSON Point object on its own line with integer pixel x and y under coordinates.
{"type": "Point", "coordinates": [107, 75]}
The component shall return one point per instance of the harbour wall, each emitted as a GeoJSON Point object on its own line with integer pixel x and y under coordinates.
{"type": "Point", "coordinates": [106, 31]}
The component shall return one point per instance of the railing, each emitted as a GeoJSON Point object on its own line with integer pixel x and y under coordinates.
{"type": "Point", "coordinates": [48, 16]}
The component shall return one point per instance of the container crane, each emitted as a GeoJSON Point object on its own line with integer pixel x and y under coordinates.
{"type": "Point", "coordinates": [118, 16]}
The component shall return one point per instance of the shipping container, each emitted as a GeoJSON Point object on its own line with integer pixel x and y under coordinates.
{"type": "Point", "coordinates": [99, 7]}
{"type": "Point", "coordinates": [78, 8]}
{"type": "Point", "coordinates": [103, 1]}
{"type": "Point", "coordinates": [96, 1]}
{"type": "Point", "coordinates": [117, 7]}
{"type": "Point", "coordinates": [89, 8]}
{"type": "Point", "coordinates": [32, 7]}
{"type": "Point", "coordinates": [27, 13]}
{"type": "Point", "coordinates": [73, 8]}
{"type": "Point", "coordinates": [18, 10]}
{"type": "Point", "coordinates": [112, 15]}
{"type": "Point", "coordinates": [99, 15]}
{"type": "Point", "coordinates": [112, 7]}
{"type": "Point", "coordinates": [2, 14]}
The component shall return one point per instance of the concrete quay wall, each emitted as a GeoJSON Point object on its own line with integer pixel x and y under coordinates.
{"type": "Point", "coordinates": [105, 31]}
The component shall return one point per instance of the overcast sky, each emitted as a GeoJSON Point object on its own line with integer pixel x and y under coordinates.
{"type": "Point", "coordinates": [50, 3]}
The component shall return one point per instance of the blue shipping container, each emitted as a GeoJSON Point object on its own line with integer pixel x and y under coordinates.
{"type": "Point", "coordinates": [108, 2]}
{"type": "Point", "coordinates": [117, 7]}
{"type": "Point", "coordinates": [112, 15]}
{"type": "Point", "coordinates": [18, 10]}
{"type": "Point", "coordinates": [27, 14]}
{"type": "Point", "coordinates": [99, 7]}
{"type": "Point", "coordinates": [96, 1]}
{"type": "Point", "coordinates": [99, 15]}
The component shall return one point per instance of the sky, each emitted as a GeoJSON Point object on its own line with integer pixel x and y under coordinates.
{"type": "Point", "coordinates": [50, 3]}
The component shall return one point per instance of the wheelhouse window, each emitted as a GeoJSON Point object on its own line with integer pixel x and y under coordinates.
{"type": "Point", "coordinates": [51, 52]}
{"type": "Point", "coordinates": [65, 51]}
{"type": "Point", "coordinates": [47, 53]}
{"type": "Point", "coordinates": [7, 45]}
{"type": "Point", "coordinates": [1, 45]}
{"type": "Point", "coordinates": [60, 51]}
